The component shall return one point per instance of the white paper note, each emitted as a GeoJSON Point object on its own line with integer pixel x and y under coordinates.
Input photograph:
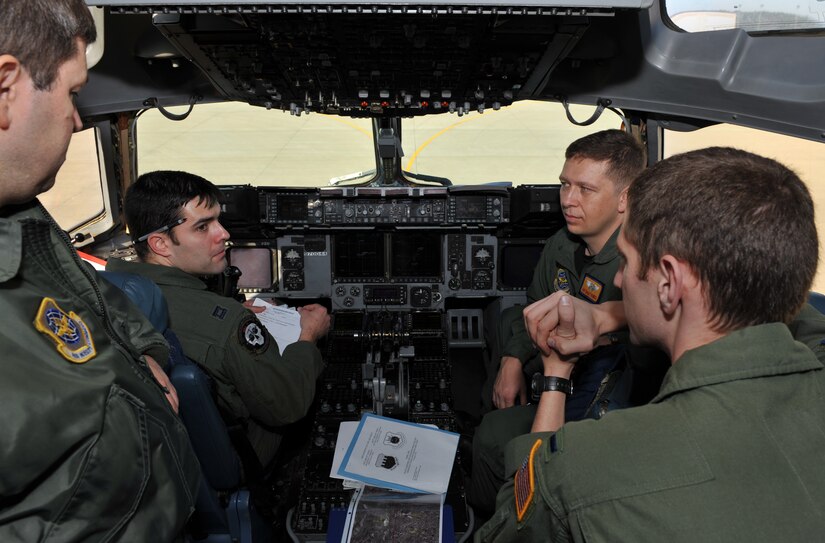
{"type": "Point", "coordinates": [283, 322]}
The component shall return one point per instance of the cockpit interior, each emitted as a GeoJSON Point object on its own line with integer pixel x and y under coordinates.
{"type": "Point", "coordinates": [414, 268]}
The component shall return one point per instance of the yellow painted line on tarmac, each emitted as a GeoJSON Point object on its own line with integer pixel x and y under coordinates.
{"type": "Point", "coordinates": [443, 130]}
{"type": "Point", "coordinates": [432, 138]}
{"type": "Point", "coordinates": [347, 123]}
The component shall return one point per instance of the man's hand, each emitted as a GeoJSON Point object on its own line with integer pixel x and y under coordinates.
{"type": "Point", "coordinates": [163, 379]}
{"type": "Point", "coordinates": [314, 322]}
{"type": "Point", "coordinates": [250, 305]}
{"type": "Point", "coordinates": [563, 323]}
{"type": "Point", "coordinates": [510, 384]}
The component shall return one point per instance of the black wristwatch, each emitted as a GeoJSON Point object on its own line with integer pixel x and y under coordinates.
{"type": "Point", "coordinates": [542, 383]}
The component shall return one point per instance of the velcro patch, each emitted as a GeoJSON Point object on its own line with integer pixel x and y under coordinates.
{"type": "Point", "coordinates": [562, 280]}
{"type": "Point", "coordinates": [525, 482]}
{"type": "Point", "coordinates": [555, 443]}
{"type": "Point", "coordinates": [219, 312]}
{"type": "Point", "coordinates": [591, 289]}
{"type": "Point", "coordinates": [68, 331]}
{"type": "Point", "coordinates": [251, 334]}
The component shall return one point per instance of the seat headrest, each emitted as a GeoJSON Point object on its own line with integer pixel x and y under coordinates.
{"type": "Point", "coordinates": [144, 293]}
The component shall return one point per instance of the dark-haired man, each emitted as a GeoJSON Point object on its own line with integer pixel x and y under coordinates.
{"type": "Point", "coordinates": [173, 218]}
{"type": "Point", "coordinates": [91, 448]}
{"type": "Point", "coordinates": [580, 259]}
{"type": "Point", "coordinates": [730, 448]}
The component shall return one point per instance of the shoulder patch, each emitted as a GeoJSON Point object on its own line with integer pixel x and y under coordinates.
{"type": "Point", "coordinates": [562, 280]}
{"type": "Point", "coordinates": [219, 312]}
{"type": "Point", "coordinates": [68, 331]}
{"type": "Point", "coordinates": [251, 334]}
{"type": "Point", "coordinates": [525, 486]}
{"type": "Point", "coordinates": [591, 288]}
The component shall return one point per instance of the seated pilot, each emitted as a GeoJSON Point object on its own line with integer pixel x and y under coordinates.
{"type": "Point", "coordinates": [580, 259]}
{"type": "Point", "coordinates": [173, 218]}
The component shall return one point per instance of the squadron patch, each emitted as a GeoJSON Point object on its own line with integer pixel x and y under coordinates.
{"type": "Point", "coordinates": [562, 281]}
{"type": "Point", "coordinates": [591, 289]}
{"type": "Point", "coordinates": [525, 482]}
{"type": "Point", "coordinates": [67, 330]}
{"type": "Point", "coordinates": [252, 335]}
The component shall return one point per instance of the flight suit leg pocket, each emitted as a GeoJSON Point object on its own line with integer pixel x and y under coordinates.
{"type": "Point", "coordinates": [111, 476]}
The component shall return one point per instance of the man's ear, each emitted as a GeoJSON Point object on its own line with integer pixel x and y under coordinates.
{"type": "Point", "coordinates": [622, 200]}
{"type": "Point", "coordinates": [670, 283]}
{"type": "Point", "coordinates": [10, 75]}
{"type": "Point", "coordinates": [159, 245]}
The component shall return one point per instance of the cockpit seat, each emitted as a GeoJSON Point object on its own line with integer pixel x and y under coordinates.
{"type": "Point", "coordinates": [224, 510]}
{"type": "Point", "coordinates": [817, 300]}
{"type": "Point", "coordinates": [145, 294]}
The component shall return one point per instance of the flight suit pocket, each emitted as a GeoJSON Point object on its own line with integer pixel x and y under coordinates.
{"type": "Point", "coordinates": [174, 462]}
{"type": "Point", "coordinates": [111, 477]}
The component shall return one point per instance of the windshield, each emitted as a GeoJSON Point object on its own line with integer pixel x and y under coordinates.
{"type": "Point", "coordinates": [77, 196]}
{"type": "Point", "coordinates": [749, 15]}
{"type": "Point", "coordinates": [233, 144]}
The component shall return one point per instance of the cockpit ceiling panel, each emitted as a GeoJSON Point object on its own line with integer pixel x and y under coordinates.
{"type": "Point", "coordinates": [374, 64]}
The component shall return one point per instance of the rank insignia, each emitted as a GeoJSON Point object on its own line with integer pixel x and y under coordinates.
{"type": "Point", "coordinates": [562, 281]}
{"type": "Point", "coordinates": [67, 330]}
{"type": "Point", "coordinates": [591, 289]}
{"type": "Point", "coordinates": [252, 335]}
{"type": "Point", "coordinates": [525, 482]}
{"type": "Point", "coordinates": [219, 312]}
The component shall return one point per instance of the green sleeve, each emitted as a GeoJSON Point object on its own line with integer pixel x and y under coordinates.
{"type": "Point", "coordinates": [542, 286]}
{"type": "Point", "coordinates": [539, 522]}
{"type": "Point", "coordinates": [135, 326]}
{"type": "Point", "coordinates": [276, 389]}
{"type": "Point", "coordinates": [519, 345]}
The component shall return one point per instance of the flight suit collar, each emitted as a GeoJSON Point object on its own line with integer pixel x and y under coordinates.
{"type": "Point", "coordinates": [757, 351]}
{"type": "Point", "coordinates": [162, 275]}
{"type": "Point", "coordinates": [609, 251]}
{"type": "Point", "coordinates": [11, 247]}
{"type": "Point", "coordinates": [607, 254]}
{"type": "Point", "coordinates": [11, 236]}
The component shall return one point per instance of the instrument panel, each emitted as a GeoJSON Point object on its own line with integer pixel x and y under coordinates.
{"type": "Point", "coordinates": [408, 248]}
{"type": "Point", "coordinates": [367, 206]}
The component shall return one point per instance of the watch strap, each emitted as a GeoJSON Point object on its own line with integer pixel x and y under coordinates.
{"type": "Point", "coordinates": [549, 383]}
